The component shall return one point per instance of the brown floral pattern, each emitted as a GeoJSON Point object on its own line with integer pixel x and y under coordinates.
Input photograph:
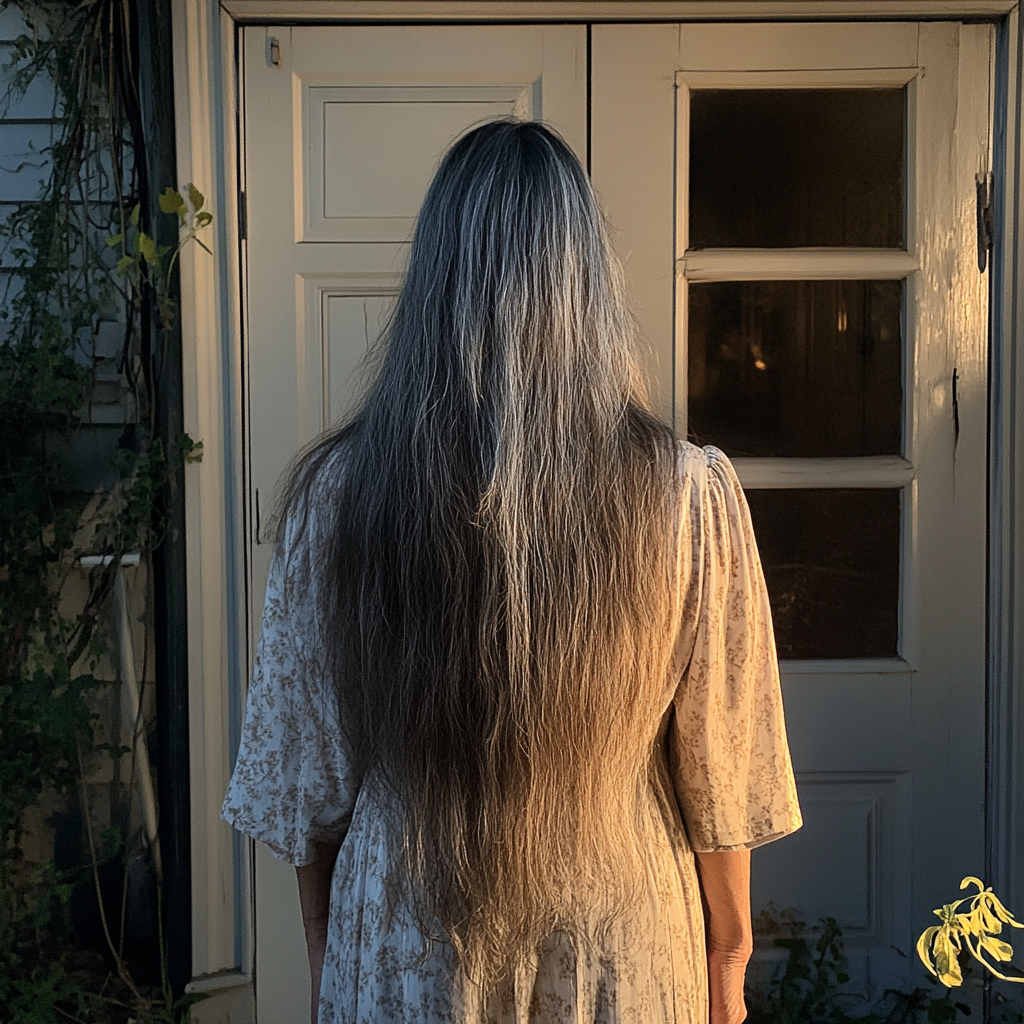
{"type": "Point", "coordinates": [725, 783]}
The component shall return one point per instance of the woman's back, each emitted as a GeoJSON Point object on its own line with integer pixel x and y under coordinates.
{"type": "Point", "coordinates": [485, 621]}
{"type": "Point", "coordinates": [719, 779]}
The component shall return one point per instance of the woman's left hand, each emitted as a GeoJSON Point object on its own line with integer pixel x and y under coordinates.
{"type": "Point", "coordinates": [725, 889]}
{"type": "Point", "coordinates": [726, 973]}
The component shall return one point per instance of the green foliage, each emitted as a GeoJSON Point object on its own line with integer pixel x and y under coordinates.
{"type": "Point", "coordinates": [64, 281]}
{"type": "Point", "coordinates": [808, 987]}
{"type": "Point", "coordinates": [1007, 1009]}
{"type": "Point", "coordinates": [144, 262]}
{"type": "Point", "coordinates": [191, 451]}
{"type": "Point", "coordinates": [45, 716]}
{"type": "Point", "coordinates": [811, 985]}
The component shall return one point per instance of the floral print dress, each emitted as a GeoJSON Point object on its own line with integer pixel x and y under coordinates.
{"type": "Point", "coordinates": [726, 784]}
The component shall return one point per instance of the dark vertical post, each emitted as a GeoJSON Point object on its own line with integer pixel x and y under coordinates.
{"type": "Point", "coordinates": [158, 170]}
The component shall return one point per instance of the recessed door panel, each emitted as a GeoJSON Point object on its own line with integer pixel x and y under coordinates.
{"type": "Point", "coordinates": [371, 151]}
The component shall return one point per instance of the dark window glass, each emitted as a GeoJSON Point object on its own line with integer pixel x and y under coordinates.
{"type": "Point", "coordinates": [796, 368]}
{"type": "Point", "coordinates": [796, 167]}
{"type": "Point", "coordinates": [831, 559]}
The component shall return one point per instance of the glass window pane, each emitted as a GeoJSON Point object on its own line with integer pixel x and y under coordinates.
{"type": "Point", "coordinates": [796, 368]}
{"type": "Point", "coordinates": [796, 167]}
{"type": "Point", "coordinates": [831, 559]}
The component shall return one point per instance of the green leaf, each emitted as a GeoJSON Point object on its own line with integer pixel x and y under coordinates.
{"type": "Point", "coordinates": [147, 246]}
{"type": "Point", "coordinates": [117, 239]}
{"type": "Point", "coordinates": [123, 264]}
{"type": "Point", "coordinates": [941, 1011]}
{"type": "Point", "coordinates": [191, 450]}
{"type": "Point", "coordinates": [203, 219]}
{"type": "Point", "coordinates": [195, 197]}
{"type": "Point", "coordinates": [134, 218]}
{"type": "Point", "coordinates": [171, 201]}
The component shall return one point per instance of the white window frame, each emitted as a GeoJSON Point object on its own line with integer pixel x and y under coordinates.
{"type": "Point", "coordinates": [811, 264]}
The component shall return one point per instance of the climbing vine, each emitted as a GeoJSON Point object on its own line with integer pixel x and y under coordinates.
{"type": "Point", "coordinates": [77, 269]}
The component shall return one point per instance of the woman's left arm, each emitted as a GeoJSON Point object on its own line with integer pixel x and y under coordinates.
{"type": "Point", "coordinates": [725, 890]}
{"type": "Point", "coordinates": [315, 900]}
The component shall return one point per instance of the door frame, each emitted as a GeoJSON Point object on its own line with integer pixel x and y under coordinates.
{"type": "Point", "coordinates": [217, 513]}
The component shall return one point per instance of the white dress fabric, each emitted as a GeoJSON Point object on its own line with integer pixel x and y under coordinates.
{"type": "Point", "coordinates": [727, 784]}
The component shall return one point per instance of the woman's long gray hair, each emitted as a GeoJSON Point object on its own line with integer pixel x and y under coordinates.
{"type": "Point", "coordinates": [498, 600]}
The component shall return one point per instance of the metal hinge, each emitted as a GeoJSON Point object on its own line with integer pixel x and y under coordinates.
{"type": "Point", "coordinates": [243, 217]}
{"type": "Point", "coordinates": [983, 185]}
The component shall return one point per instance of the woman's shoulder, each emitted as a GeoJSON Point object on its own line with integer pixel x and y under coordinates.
{"type": "Point", "coordinates": [705, 466]}
{"type": "Point", "coordinates": [305, 512]}
{"type": "Point", "coordinates": [317, 475]}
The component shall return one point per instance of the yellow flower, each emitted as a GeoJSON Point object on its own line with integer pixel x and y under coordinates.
{"type": "Point", "coordinates": [939, 946]}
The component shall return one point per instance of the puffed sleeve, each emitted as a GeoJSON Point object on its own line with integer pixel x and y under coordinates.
{"type": "Point", "coordinates": [730, 760]}
{"type": "Point", "coordinates": [293, 783]}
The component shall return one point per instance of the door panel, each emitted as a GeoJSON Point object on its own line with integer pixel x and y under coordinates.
{"type": "Point", "coordinates": [342, 136]}
{"type": "Point", "coordinates": [373, 150]}
{"type": "Point", "coordinates": [866, 485]}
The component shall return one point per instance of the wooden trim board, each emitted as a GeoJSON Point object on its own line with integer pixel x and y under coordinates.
{"type": "Point", "coordinates": [294, 11]}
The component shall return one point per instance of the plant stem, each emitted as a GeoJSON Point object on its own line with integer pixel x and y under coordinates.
{"type": "Point", "coordinates": [122, 968]}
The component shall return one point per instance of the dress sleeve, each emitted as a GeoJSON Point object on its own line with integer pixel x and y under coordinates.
{"type": "Point", "coordinates": [293, 783]}
{"type": "Point", "coordinates": [730, 760]}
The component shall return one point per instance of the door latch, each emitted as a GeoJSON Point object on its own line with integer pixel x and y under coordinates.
{"type": "Point", "coordinates": [273, 52]}
{"type": "Point", "coordinates": [956, 410]}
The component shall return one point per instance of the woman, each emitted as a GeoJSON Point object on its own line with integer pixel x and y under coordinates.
{"type": "Point", "coordinates": [516, 662]}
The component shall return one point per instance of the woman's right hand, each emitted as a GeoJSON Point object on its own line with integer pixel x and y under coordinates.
{"type": "Point", "coordinates": [315, 900]}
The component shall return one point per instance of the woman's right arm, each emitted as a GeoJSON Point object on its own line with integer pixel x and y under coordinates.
{"type": "Point", "coordinates": [315, 900]}
{"type": "Point", "coordinates": [293, 786]}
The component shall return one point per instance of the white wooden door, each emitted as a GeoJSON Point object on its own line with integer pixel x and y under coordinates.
{"type": "Point", "coordinates": [343, 128]}
{"type": "Point", "coordinates": [797, 212]}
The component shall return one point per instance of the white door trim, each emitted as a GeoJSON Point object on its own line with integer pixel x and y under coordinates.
{"type": "Point", "coordinates": [216, 511]}
{"type": "Point", "coordinates": [215, 508]}
{"type": "Point", "coordinates": [294, 11]}
{"type": "Point", "coordinates": [1005, 824]}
